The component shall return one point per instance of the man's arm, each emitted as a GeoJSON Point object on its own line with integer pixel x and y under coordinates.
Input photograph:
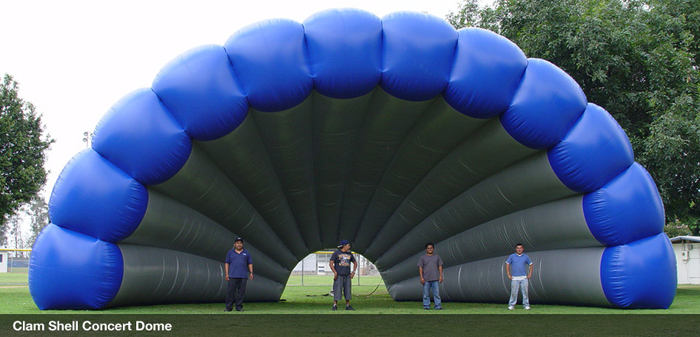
{"type": "Point", "coordinates": [335, 273]}
{"type": "Point", "coordinates": [529, 273]}
{"type": "Point", "coordinates": [354, 268]}
{"type": "Point", "coordinates": [250, 266]}
{"type": "Point", "coordinates": [226, 271]}
{"type": "Point", "coordinates": [440, 269]}
{"type": "Point", "coordinates": [420, 272]}
{"type": "Point", "coordinates": [508, 271]}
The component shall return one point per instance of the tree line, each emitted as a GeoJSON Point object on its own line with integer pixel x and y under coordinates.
{"type": "Point", "coordinates": [638, 60]}
{"type": "Point", "coordinates": [23, 146]}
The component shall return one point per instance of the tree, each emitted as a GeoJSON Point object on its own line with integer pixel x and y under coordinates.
{"type": "Point", "coordinates": [38, 212]}
{"type": "Point", "coordinates": [14, 234]}
{"type": "Point", "coordinates": [22, 150]}
{"type": "Point", "coordinates": [3, 237]}
{"type": "Point", "coordinates": [638, 59]}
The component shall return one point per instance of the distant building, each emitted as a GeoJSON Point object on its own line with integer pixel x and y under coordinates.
{"type": "Point", "coordinates": [687, 250]}
{"type": "Point", "coordinates": [3, 262]}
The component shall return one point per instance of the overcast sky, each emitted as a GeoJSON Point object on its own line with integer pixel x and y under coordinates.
{"type": "Point", "coordinates": [74, 59]}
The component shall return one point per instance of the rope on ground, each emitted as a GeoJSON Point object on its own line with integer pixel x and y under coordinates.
{"type": "Point", "coordinates": [375, 289]}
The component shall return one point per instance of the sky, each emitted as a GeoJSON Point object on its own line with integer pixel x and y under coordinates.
{"type": "Point", "coordinates": [75, 59]}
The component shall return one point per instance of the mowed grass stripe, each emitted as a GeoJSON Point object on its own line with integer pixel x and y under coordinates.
{"type": "Point", "coordinates": [313, 298]}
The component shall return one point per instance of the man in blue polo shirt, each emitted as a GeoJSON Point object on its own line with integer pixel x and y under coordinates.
{"type": "Point", "coordinates": [239, 269]}
{"type": "Point", "coordinates": [519, 270]}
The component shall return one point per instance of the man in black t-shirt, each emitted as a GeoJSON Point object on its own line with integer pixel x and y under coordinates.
{"type": "Point", "coordinates": [340, 265]}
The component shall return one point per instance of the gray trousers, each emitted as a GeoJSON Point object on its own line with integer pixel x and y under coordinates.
{"type": "Point", "coordinates": [342, 285]}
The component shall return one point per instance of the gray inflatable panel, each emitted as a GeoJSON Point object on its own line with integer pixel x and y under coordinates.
{"type": "Point", "coordinates": [155, 275]}
{"type": "Point", "coordinates": [386, 126]}
{"type": "Point", "coordinates": [525, 184]}
{"type": "Point", "coordinates": [481, 155]}
{"type": "Point", "coordinates": [337, 129]}
{"type": "Point", "coordinates": [560, 276]}
{"type": "Point", "coordinates": [171, 225]}
{"type": "Point", "coordinates": [205, 188]}
{"type": "Point", "coordinates": [437, 132]}
{"type": "Point", "coordinates": [287, 136]}
{"type": "Point", "coordinates": [555, 225]}
{"type": "Point", "coordinates": [247, 165]}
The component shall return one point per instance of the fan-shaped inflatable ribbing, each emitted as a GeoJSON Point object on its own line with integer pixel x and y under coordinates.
{"type": "Point", "coordinates": [390, 133]}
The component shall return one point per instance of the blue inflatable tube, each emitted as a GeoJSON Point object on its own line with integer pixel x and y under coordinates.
{"type": "Point", "coordinates": [386, 132]}
{"type": "Point", "coordinates": [88, 271]}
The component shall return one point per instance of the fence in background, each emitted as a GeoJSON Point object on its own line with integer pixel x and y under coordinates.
{"type": "Point", "coordinates": [14, 260]}
{"type": "Point", "coordinates": [315, 268]}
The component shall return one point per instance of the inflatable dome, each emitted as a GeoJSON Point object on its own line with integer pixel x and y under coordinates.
{"type": "Point", "coordinates": [387, 132]}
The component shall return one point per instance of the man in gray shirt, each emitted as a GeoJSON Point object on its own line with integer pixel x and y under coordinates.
{"type": "Point", "coordinates": [430, 272]}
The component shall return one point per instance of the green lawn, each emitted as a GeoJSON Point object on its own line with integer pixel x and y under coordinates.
{"type": "Point", "coordinates": [312, 299]}
{"type": "Point", "coordinates": [13, 279]}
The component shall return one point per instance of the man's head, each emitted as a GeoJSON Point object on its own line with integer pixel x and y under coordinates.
{"type": "Point", "coordinates": [344, 245]}
{"type": "Point", "coordinates": [519, 249]}
{"type": "Point", "coordinates": [429, 248]}
{"type": "Point", "coordinates": [238, 243]}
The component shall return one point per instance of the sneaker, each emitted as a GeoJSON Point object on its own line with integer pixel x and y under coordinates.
{"type": "Point", "coordinates": [239, 309]}
{"type": "Point", "coordinates": [438, 308]}
{"type": "Point", "coordinates": [426, 308]}
{"type": "Point", "coordinates": [527, 307]}
{"type": "Point", "coordinates": [334, 307]}
{"type": "Point", "coordinates": [349, 308]}
{"type": "Point", "coordinates": [227, 310]}
{"type": "Point", "coordinates": [510, 307]}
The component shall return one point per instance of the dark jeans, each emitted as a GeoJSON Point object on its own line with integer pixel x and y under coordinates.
{"type": "Point", "coordinates": [235, 292]}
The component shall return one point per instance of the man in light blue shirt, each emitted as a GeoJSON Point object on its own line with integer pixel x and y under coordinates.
{"type": "Point", "coordinates": [519, 270]}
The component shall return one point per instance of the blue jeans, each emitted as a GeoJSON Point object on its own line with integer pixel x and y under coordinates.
{"type": "Point", "coordinates": [514, 285]}
{"type": "Point", "coordinates": [435, 286]}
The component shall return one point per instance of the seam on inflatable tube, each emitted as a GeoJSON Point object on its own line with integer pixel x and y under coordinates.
{"type": "Point", "coordinates": [307, 61]}
{"type": "Point", "coordinates": [452, 68]}
{"type": "Point", "coordinates": [556, 172]}
{"type": "Point", "coordinates": [622, 237]}
{"type": "Point", "coordinates": [515, 93]}
{"type": "Point", "coordinates": [362, 138]}
{"type": "Point", "coordinates": [314, 153]}
{"type": "Point", "coordinates": [236, 80]}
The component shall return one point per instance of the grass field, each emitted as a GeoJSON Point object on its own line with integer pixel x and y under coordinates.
{"type": "Point", "coordinates": [312, 299]}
